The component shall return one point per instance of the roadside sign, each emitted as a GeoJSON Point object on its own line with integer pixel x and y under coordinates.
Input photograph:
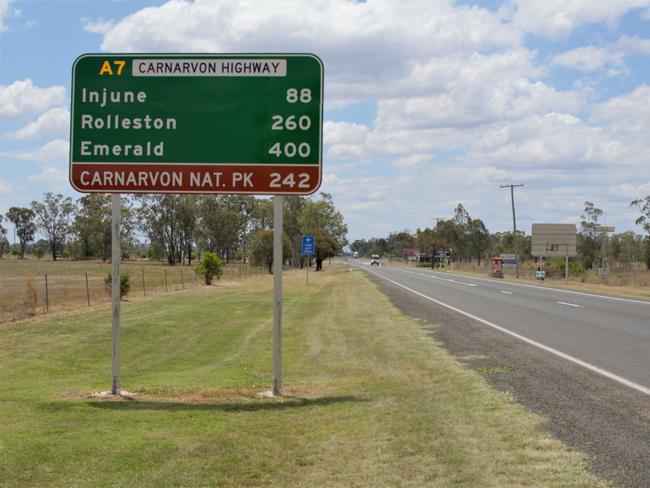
{"type": "Point", "coordinates": [540, 274]}
{"type": "Point", "coordinates": [196, 123]}
{"type": "Point", "coordinates": [509, 260]}
{"type": "Point", "coordinates": [603, 271]}
{"type": "Point", "coordinates": [553, 240]}
{"type": "Point", "coordinates": [604, 228]}
{"type": "Point", "coordinates": [308, 245]}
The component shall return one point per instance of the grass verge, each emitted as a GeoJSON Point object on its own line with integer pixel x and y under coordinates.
{"type": "Point", "coordinates": [369, 399]}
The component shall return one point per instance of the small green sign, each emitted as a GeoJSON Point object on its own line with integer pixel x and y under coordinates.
{"type": "Point", "coordinates": [197, 123]}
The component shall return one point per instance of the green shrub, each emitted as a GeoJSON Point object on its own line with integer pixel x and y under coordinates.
{"type": "Point", "coordinates": [555, 267]}
{"type": "Point", "coordinates": [125, 283]}
{"type": "Point", "coordinates": [210, 266]}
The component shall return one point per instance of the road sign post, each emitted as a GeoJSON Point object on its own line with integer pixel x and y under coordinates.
{"type": "Point", "coordinates": [197, 123]}
{"type": "Point", "coordinates": [277, 294]}
{"type": "Point", "coordinates": [116, 257]}
{"type": "Point", "coordinates": [308, 244]}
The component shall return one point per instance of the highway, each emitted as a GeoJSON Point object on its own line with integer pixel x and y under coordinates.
{"type": "Point", "coordinates": [608, 335]}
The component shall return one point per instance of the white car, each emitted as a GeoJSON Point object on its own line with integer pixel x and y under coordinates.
{"type": "Point", "coordinates": [374, 260]}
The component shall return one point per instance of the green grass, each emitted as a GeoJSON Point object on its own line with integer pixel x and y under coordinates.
{"type": "Point", "coordinates": [369, 399]}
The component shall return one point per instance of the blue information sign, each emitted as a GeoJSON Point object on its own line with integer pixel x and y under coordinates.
{"type": "Point", "coordinates": [308, 245]}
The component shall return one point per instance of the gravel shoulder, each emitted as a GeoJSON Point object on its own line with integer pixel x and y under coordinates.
{"type": "Point", "coordinates": [608, 421]}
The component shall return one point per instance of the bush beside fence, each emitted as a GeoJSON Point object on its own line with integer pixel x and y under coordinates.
{"type": "Point", "coordinates": [36, 293]}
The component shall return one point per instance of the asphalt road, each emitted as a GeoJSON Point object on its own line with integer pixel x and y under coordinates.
{"type": "Point", "coordinates": [582, 361]}
{"type": "Point", "coordinates": [608, 333]}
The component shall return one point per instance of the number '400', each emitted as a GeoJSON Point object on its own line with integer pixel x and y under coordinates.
{"type": "Point", "coordinates": [290, 149]}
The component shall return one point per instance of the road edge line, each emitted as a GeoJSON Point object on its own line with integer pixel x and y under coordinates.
{"type": "Point", "coordinates": [579, 362]}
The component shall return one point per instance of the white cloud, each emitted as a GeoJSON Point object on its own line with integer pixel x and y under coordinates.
{"type": "Point", "coordinates": [631, 190]}
{"type": "Point", "coordinates": [23, 98]}
{"type": "Point", "coordinates": [629, 114]}
{"type": "Point", "coordinates": [554, 140]}
{"type": "Point", "coordinates": [53, 122]}
{"type": "Point", "coordinates": [590, 58]}
{"type": "Point", "coordinates": [558, 18]}
{"type": "Point", "coordinates": [99, 26]}
{"type": "Point", "coordinates": [344, 133]}
{"type": "Point", "coordinates": [5, 186]}
{"type": "Point", "coordinates": [367, 47]}
{"type": "Point", "coordinates": [411, 161]}
{"type": "Point", "coordinates": [4, 13]}
{"type": "Point", "coordinates": [51, 152]}
{"type": "Point", "coordinates": [53, 177]}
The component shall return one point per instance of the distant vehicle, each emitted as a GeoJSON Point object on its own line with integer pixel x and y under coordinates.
{"type": "Point", "coordinates": [374, 260]}
{"type": "Point", "coordinates": [355, 254]}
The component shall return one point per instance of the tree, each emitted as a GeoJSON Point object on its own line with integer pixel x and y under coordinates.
{"type": "Point", "coordinates": [221, 225]}
{"type": "Point", "coordinates": [325, 247]}
{"type": "Point", "coordinates": [4, 243]}
{"type": "Point", "coordinates": [293, 207]}
{"type": "Point", "coordinates": [479, 238]}
{"type": "Point", "coordinates": [188, 211]}
{"type": "Point", "coordinates": [643, 204]}
{"type": "Point", "coordinates": [210, 266]}
{"type": "Point", "coordinates": [588, 235]}
{"type": "Point", "coordinates": [262, 249]}
{"type": "Point", "coordinates": [53, 219]}
{"type": "Point", "coordinates": [159, 218]}
{"type": "Point", "coordinates": [322, 215]}
{"type": "Point", "coordinates": [398, 241]}
{"type": "Point", "coordinates": [23, 220]}
{"type": "Point", "coordinates": [92, 225]}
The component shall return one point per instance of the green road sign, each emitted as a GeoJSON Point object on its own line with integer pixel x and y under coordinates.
{"type": "Point", "coordinates": [197, 123]}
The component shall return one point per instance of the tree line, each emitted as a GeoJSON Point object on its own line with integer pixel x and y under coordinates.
{"type": "Point", "coordinates": [179, 228]}
{"type": "Point", "coordinates": [470, 240]}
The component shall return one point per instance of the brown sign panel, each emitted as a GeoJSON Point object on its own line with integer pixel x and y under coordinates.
{"type": "Point", "coordinates": [158, 178]}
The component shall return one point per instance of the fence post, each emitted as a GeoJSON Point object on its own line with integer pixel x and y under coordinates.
{"type": "Point", "coordinates": [47, 296]}
{"type": "Point", "coordinates": [87, 289]}
{"type": "Point", "coordinates": [144, 289]}
{"type": "Point", "coordinates": [165, 281]}
{"type": "Point", "coordinates": [240, 273]}
{"type": "Point", "coordinates": [182, 280]}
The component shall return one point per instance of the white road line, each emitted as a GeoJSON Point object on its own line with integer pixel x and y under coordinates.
{"type": "Point", "coordinates": [577, 361]}
{"type": "Point", "coordinates": [571, 305]}
{"type": "Point", "coordinates": [439, 278]}
{"type": "Point", "coordinates": [549, 288]}
{"type": "Point", "coordinates": [506, 292]}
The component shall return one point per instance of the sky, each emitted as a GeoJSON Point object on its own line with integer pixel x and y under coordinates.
{"type": "Point", "coordinates": [428, 103]}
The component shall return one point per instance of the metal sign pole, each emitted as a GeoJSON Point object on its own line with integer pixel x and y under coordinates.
{"type": "Point", "coordinates": [566, 261]}
{"type": "Point", "coordinates": [277, 293]}
{"type": "Point", "coordinates": [116, 216]}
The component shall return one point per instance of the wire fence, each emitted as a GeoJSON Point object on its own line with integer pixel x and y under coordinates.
{"type": "Point", "coordinates": [37, 293]}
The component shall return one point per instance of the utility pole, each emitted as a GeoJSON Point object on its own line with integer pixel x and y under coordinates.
{"type": "Point", "coordinates": [433, 250]}
{"type": "Point", "coordinates": [514, 223]}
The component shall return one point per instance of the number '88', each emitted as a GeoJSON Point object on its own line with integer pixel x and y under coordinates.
{"type": "Point", "coordinates": [303, 96]}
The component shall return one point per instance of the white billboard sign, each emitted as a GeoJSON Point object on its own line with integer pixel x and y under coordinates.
{"type": "Point", "coordinates": [553, 240]}
{"type": "Point", "coordinates": [509, 260]}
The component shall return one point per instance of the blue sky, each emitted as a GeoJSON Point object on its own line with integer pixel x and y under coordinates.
{"type": "Point", "coordinates": [429, 103]}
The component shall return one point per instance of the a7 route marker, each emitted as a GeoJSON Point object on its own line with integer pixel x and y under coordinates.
{"type": "Point", "coordinates": [197, 123]}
